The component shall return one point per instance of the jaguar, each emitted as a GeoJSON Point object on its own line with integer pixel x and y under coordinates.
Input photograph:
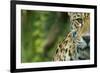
{"type": "Point", "coordinates": [76, 44]}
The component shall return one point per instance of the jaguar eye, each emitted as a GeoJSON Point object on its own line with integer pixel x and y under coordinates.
{"type": "Point", "coordinates": [79, 20]}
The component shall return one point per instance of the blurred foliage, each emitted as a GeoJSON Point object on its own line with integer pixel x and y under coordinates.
{"type": "Point", "coordinates": [41, 31]}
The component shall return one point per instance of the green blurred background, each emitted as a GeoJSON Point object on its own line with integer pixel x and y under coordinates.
{"type": "Point", "coordinates": [41, 31]}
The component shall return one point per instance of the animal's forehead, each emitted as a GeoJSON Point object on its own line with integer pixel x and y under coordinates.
{"type": "Point", "coordinates": [74, 13]}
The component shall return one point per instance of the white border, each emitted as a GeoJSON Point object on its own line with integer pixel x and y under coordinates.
{"type": "Point", "coordinates": [20, 65]}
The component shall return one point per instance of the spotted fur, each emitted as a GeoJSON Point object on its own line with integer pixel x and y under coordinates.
{"type": "Point", "coordinates": [72, 47]}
